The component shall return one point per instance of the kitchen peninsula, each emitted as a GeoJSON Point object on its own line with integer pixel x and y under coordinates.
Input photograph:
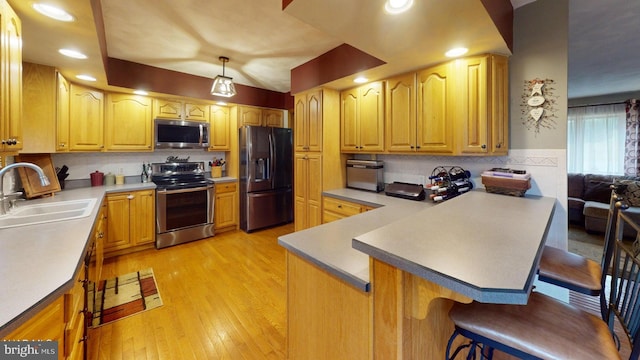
{"type": "Point", "coordinates": [382, 282]}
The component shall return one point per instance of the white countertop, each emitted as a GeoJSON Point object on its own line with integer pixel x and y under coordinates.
{"type": "Point", "coordinates": [483, 245]}
{"type": "Point", "coordinates": [39, 262]}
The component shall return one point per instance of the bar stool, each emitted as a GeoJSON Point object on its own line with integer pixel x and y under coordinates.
{"type": "Point", "coordinates": [546, 328]}
{"type": "Point", "coordinates": [575, 272]}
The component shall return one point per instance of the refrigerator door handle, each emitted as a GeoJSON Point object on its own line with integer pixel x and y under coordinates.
{"type": "Point", "coordinates": [272, 158]}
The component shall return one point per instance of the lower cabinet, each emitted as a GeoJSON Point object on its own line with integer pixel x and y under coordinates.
{"type": "Point", "coordinates": [225, 214]}
{"type": "Point", "coordinates": [336, 209]}
{"type": "Point", "coordinates": [130, 221]}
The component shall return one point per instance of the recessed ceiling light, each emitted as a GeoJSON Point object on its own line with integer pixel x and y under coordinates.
{"type": "Point", "coordinates": [86, 77]}
{"type": "Point", "coordinates": [72, 54]}
{"type": "Point", "coordinates": [397, 6]}
{"type": "Point", "coordinates": [53, 12]}
{"type": "Point", "coordinates": [360, 80]}
{"type": "Point", "coordinates": [456, 52]}
{"type": "Point", "coordinates": [141, 92]}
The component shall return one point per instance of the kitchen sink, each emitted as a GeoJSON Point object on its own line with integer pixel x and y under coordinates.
{"type": "Point", "coordinates": [48, 212]}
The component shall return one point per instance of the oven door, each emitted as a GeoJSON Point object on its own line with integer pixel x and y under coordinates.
{"type": "Point", "coordinates": [184, 208]}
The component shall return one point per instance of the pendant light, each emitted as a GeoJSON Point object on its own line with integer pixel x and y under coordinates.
{"type": "Point", "coordinates": [223, 85]}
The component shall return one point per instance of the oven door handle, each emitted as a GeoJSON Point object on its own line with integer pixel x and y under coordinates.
{"type": "Point", "coordinates": [178, 191]}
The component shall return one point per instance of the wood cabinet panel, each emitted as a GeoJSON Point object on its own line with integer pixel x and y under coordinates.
{"type": "Point", "coordinates": [39, 108]}
{"type": "Point", "coordinates": [308, 121]}
{"type": "Point", "coordinates": [220, 139]}
{"type": "Point", "coordinates": [248, 115]}
{"type": "Point", "coordinates": [142, 213]}
{"type": "Point", "coordinates": [225, 206]}
{"type": "Point", "coordinates": [167, 109]}
{"type": "Point", "coordinates": [47, 324]}
{"type": "Point", "coordinates": [400, 113]}
{"type": "Point", "coordinates": [10, 80]}
{"type": "Point", "coordinates": [128, 123]}
{"type": "Point", "coordinates": [435, 119]}
{"type": "Point", "coordinates": [362, 118]}
{"type": "Point", "coordinates": [130, 220]}
{"type": "Point", "coordinates": [307, 190]}
{"type": "Point", "coordinates": [499, 105]}
{"type": "Point", "coordinates": [63, 91]}
{"type": "Point", "coordinates": [273, 118]}
{"type": "Point", "coordinates": [86, 119]}
{"type": "Point", "coordinates": [198, 112]}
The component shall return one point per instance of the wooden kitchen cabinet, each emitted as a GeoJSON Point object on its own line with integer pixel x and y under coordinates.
{"type": "Point", "coordinates": [128, 122]}
{"type": "Point", "coordinates": [255, 116]}
{"type": "Point", "coordinates": [86, 119]}
{"type": "Point", "coordinates": [400, 113]}
{"type": "Point", "coordinates": [435, 119]}
{"type": "Point", "coordinates": [362, 119]}
{"type": "Point", "coordinates": [74, 318]}
{"type": "Point", "coordinates": [220, 137]}
{"type": "Point", "coordinates": [225, 208]}
{"type": "Point", "coordinates": [99, 236]}
{"type": "Point", "coordinates": [177, 109]}
{"type": "Point", "coordinates": [336, 209]}
{"type": "Point", "coordinates": [130, 220]}
{"type": "Point", "coordinates": [63, 92]}
{"type": "Point", "coordinates": [10, 80]}
{"type": "Point", "coordinates": [39, 108]}
{"type": "Point", "coordinates": [307, 190]}
{"type": "Point", "coordinates": [482, 105]}
{"type": "Point", "coordinates": [308, 121]}
{"type": "Point", "coordinates": [47, 324]}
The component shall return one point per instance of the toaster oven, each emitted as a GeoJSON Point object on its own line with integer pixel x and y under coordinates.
{"type": "Point", "coordinates": [365, 175]}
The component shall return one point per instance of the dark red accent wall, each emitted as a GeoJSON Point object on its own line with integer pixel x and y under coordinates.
{"type": "Point", "coordinates": [286, 3]}
{"type": "Point", "coordinates": [139, 76]}
{"type": "Point", "coordinates": [335, 64]}
{"type": "Point", "coordinates": [501, 12]}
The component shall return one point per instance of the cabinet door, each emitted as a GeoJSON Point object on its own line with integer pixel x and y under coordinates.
{"type": "Point", "coordinates": [473, 106]}
{"type": "Point", "coordinates": [434, 124]}
{"type": "Point", "coordinates": [225, 208]}
{"type": "Point", "coordinates": [349, 115]}
{"type": "Point", "coordinates": [400, 110]}
{"type": "Point", "coordinates": [167, 109]}
{"type": "Point", "coordinates": [197, 112]}
{"type": "Point", "coordinates": [499, 105]}
{"type": "Point", "coordinates": [314, 120]}
{"type": "Point", "coordinates": [86, 119]}
{"type": "Point", "coordinates": [300, 189]}
{"type": "Point", "coordinates": [301, 128]}
{"type": "Point", "coordinates": [117, 222]}
{"type": "Point", "coordinates": [371, 117]}
{"type": "Point", "coordinates": [220, 138]}
{"type": "Point", "coordinates": [47, 324]}
{"type": "Point", "coordinates": [273, 118]}
{"type": "Point", "coordinates": [248, 115]}
{"type": "Point", "coordinates": [307, 190]}
{"type": "Point", "coordinates": [128, 123]}
{"type": "Point", "coordinates": [63, 91]}
{"type": "Point", "coordinates": [12, 52]}
{"type": "Point", "coordinates": [142, 217]}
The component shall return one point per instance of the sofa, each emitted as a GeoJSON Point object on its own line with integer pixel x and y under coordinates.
{"type": "Point", "coordinates": [589, 196]}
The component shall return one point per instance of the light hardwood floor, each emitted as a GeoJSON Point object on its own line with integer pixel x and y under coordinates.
{"type": "Point", "coordinates": [224, 298]}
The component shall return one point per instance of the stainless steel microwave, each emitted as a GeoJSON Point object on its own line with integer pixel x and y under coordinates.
{"type": "Point", "coordinates": [179, 134]}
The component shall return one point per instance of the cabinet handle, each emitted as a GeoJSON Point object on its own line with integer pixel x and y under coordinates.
{"type": "Point", "coordinates": [498, 145]}
{"type": "Point", "coordinates": [412, 146]}
{"type": "Point", "coordinates": [62, 145]}
{"type": "Point", "coordinates": [339, 206]}
{"type": "Point", "coordinates": [418, 147]}
{"type": "Point", "coordinates": [484, 146]}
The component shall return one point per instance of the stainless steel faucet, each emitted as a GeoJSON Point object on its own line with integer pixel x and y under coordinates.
{"type": "Point", "coordinates": [4, 200]}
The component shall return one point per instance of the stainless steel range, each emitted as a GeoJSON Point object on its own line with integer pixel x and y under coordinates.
{"type": "Point", "coordinates": [184, 203]}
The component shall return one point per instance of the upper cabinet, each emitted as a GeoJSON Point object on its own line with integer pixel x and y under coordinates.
{"type": "Point", "coordinates": [10, 79]}
{"type": "Point", "coordinates": [63, 92]}
{"type": "Point", "coordinates": [435, 119]}
{"type": "Point", "coordinates": [255, 116]}
{"type": "Point", "coordinates": [220, 138]}
{"type": "Point", "coordinates": [308, 121]}
{"type": "Point", "coordinates": [176, 109]}
{"type": "Point", "coordinates": [86, 119]}
{"type": "Point", "coordinates": [128, 123]}
{"type": "Point", "coordinates": [362, 119]}
{"type": "Point", "coordinates": [482, 105]}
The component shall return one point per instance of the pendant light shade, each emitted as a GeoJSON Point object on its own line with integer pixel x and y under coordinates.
{"type": "Point", "coordinates": [223, 85]}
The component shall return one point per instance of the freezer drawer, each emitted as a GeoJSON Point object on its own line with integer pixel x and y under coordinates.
{"type": "Point", "coordinates": [264, 209]}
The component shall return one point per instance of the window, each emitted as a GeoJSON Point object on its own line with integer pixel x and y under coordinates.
{"type": "Point", "coordinates": [596, 136]}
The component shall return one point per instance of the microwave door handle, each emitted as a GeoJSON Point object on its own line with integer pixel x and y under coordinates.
{"type": "Point", "coordinates": [201, 127]}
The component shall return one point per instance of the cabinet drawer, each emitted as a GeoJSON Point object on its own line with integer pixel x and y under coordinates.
{"type": "Point", "coordinates": [225, 187]}
{"type": "Point", "coordinates": [341, 207]}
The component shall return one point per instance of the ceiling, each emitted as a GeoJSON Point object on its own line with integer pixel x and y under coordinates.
{"type": "Point", "coordinates": [264, 43]}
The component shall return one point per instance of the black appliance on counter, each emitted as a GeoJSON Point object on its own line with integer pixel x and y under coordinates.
{"type": "Point", "coordinates": [266, 176]}
{"type": "Point", "coordinates": [184, 203]}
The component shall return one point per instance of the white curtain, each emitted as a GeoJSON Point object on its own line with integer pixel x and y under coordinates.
{"type": "Point", "coordinates": [596, 138]}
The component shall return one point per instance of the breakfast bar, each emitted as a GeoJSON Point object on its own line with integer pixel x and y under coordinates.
{"type": "Point", "coordinates": [478, 246]}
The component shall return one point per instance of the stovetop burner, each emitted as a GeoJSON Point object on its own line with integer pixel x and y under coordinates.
{"type": "Point", "coordinates": [178, 175]}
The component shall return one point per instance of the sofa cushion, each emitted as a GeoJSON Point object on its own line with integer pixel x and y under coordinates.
{"type": "Point", "coordinates": [597, 191]}
{"type": "Point", "coordinates": [575, 185]}
{"type": "Point", "coordinates": [596, 209]}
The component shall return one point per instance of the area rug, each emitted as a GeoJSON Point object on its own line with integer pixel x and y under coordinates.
{"type": "Point", "coordinates": [123, 296]}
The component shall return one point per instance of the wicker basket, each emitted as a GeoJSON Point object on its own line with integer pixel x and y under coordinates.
{"type": "Point", "coordinates": [505, 185]}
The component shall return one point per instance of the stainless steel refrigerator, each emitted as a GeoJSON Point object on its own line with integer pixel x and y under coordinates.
{"type": "Point", "coordinates": [266, 176]}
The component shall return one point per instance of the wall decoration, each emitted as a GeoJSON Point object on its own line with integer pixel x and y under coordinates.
{"type": "Point", "coordinates": [538, 105]}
